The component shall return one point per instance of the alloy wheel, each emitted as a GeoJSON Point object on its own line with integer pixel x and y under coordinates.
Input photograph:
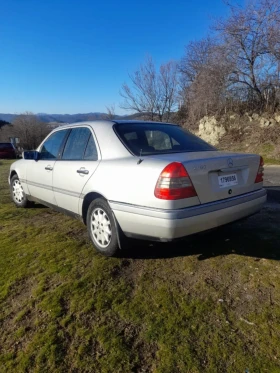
{"type": "Point", "coordinates": [18, 193]}
{"type": "Point", "coordinates": [101, 227]}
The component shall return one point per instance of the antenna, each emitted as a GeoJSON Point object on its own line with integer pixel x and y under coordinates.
{"type": "Point", "coordinates": [140, 160]}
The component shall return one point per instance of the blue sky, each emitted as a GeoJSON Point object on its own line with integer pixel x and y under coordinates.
{"type": "Point", "coordinates": [72, 56]}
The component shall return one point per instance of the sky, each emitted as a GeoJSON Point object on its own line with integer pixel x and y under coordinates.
{"type": "Point", "coordinates": [72, 56]}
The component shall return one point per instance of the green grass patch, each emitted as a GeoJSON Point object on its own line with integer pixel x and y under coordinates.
{"type": "Point", "coordinates": [271, 161]}
{"type": "Point", "coordinates": [267, 151]}
{"type": "Point", "coordinates": [208, 304]}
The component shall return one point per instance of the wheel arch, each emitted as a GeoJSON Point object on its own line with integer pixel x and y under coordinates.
{"type": "Point", "coordinates": [12, 174]}
{"type": "Point", "coordinates": [87, 201]}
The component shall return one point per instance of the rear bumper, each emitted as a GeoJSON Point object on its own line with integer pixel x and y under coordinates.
{"type": "Point", "coordinates": [166, 225]}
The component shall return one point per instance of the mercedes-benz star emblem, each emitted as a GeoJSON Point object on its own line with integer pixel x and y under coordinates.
{"type": "Point", "coordinates": [230, 162]}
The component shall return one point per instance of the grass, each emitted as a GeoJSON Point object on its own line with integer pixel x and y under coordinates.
{"type": "Point", "coordinates": [267, 150]}
{"type": "Point", "coordinates": [271, 161]}
{"type": "Point", "coordinates": [207, 304]}
{"type": "Point", "coordinates": [253, 139]}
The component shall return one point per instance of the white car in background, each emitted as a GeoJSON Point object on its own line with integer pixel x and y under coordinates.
{"type": "Point", "coordinates": [147, 180]}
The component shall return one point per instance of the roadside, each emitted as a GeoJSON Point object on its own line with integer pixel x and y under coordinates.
{"type": "Point", "coordinates": [272, 183]}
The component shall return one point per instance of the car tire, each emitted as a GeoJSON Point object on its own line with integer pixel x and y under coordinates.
{"type": "Point", "coordinates": [102, 228]}
{"type": "Point", "coordinates": [18, 196]}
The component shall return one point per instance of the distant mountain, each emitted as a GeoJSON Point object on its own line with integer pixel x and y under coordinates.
{"type": "Point", "coordinates": [69, 118]}
{"type": "Point", "coordinates": [7, 117]}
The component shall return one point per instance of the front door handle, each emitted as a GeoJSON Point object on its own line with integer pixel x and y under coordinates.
{"type": "Point", "coordinates": [49, 168]}
{"type": "Point", "coordinates": [83, 171]}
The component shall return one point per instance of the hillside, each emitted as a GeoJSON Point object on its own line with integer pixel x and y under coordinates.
{"type": "Point", "coordinates": [249, 133]}
{"type": "Point", "coordinates": [69, 118]}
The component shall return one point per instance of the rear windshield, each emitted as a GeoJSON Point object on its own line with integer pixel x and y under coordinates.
{"type": "Point", "coordinates": [6, 145]}
{"type": "Point", "coordinates": [156, 138]}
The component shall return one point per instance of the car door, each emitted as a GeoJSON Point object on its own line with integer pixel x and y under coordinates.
{"type": "Point", "coordinates": [39, 174]}
{"type": "Point", "coordinates": [78, 162]}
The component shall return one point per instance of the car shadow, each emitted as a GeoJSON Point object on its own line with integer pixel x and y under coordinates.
{"type": "Point", "coordinates": [257, 236]}
{"type": "Point", "coordinates": [38, 206]}
{"type": "Point", "coordinates": [273, 193]}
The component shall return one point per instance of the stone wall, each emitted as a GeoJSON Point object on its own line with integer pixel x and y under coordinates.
{"type": "Point", "coordinates": [212, 129]}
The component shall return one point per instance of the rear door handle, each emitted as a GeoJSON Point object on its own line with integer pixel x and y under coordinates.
{"type": "Point", "coordinates": [83, 171]}
{"type": "Point", "coordinates": [49, 168]}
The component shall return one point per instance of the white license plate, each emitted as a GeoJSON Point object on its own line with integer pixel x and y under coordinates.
{"type": "Point", "coordinates": [227, 180]}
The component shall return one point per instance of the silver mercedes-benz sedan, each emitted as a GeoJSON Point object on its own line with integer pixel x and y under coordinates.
{"type": "Point", "coordinates": [147, 180]}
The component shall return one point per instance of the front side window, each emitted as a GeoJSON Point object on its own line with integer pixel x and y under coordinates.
{"type": "Point", "coordinates": [159, 138]}
{"type": "Point", "coordinates": [51, 147]}
{"type": "Point", "coordinates": [80, 145]}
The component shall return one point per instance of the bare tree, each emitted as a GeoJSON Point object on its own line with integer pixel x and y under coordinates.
{"type": "Point", "coordinates": [249, 36]}
{"type": "Point", "coordinates": [152, 93]}
{"type": "Point", "coordinates": [168, 90]}
{"type": "Point", "coordinates": [110, 112]}
{"type": "Point", "coordinates": [3, 123]}
{"type": "Point", "coordinates": [29, 130]}
{"type": "Point", "coordinates": [197, 56]}
{"type": "Point", "coordinates": [238, 67]}
{"type": "Point", "coordinates": [204, 72]}
{"type": "Point", "coordinates": [271, 9]}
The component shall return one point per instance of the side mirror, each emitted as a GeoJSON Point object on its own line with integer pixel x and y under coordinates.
{"type": "Point", "coordinates": [31, 154]}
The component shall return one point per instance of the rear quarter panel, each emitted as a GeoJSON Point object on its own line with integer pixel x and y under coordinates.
{"type": "Point", "coordinates": [129, 181]}
{"type": "Point", "coordinates": [124, 180]}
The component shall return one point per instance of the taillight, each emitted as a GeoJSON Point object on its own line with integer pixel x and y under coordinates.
{"type": "Point", "coordinates": [174, 183]}
{"type": "Point", "coordinates": [259, 177]}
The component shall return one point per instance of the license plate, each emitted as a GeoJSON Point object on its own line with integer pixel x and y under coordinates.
{"type": "Point", "coordinates": [227, 180]}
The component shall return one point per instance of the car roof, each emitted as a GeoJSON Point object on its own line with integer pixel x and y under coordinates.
{"type": "Point", "coordinates": [110, 123]}
{"type": "Point", "coordinates": [88, 123]}
{"type": "Point", "coordinates": [141, 122]}
{"type": "Point", "coordinates": [110, 145]}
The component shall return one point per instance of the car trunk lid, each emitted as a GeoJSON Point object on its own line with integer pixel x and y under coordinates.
{"type": "Point", "coordinates": [219, 175]}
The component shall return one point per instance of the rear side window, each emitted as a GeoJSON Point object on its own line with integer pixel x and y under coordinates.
{"type": "Point", "coordinates": [91, 151]}
{"type": "Point", "coordinates": [51, 147]}
{"type": "Point", "coordinates": [80, 145]}
{"type": "Point", "coordinates": [156, 138]}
